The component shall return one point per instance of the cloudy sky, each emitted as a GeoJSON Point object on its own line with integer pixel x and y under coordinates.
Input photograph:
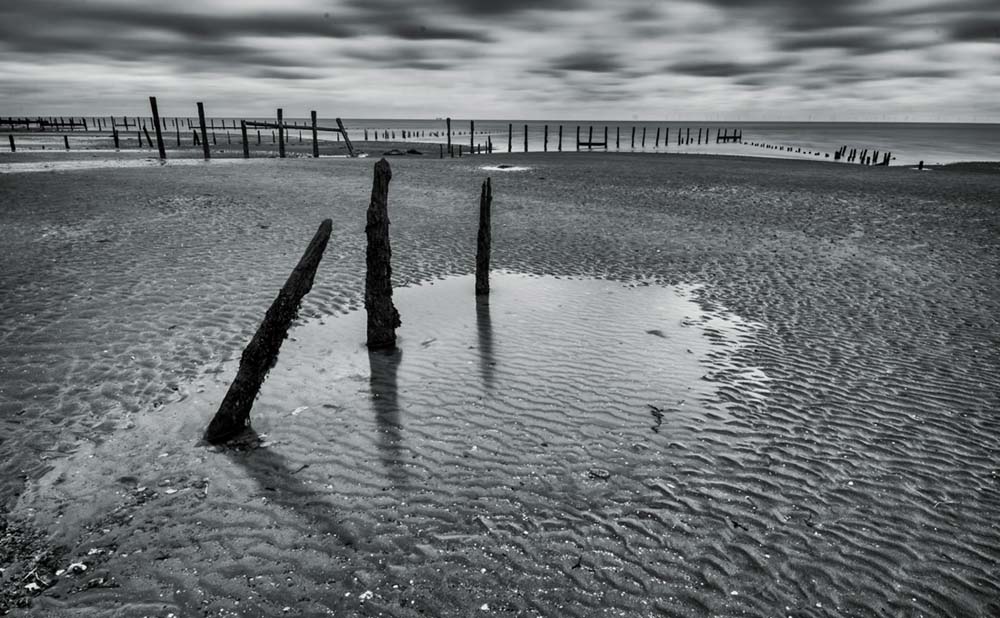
{"type": "Point", "coordinates": [927, 60]}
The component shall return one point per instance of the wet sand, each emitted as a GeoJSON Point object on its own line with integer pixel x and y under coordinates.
{"type": "Point", "coordinates": [835, 452]}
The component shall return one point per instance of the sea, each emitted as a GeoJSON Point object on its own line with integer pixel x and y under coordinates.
{"type": "Point", "coordinates": [906, 143]}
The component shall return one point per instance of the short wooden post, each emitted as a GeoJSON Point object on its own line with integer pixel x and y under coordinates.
{"type": "Point", "coordinates": [699, 136]}
{"type": "Point", "coordinates": [526, 138]}
{"type": "Point", "coordinates": [204, 131]}
{"type": "Point", "coordinates": [605, 137]}
{"type": "Point", "coordinates": [633, 138]}
{"type": "Point", "coordinates": [13, 148]}
{"type": "Point", "coordinates": [578, 138]}
{"type": "Point", "coordinates": [447, 122]}
{"type": "Point", "coordinates": [510, 137]}
{"type": "Point", "coordinates": [159, 134]}
{"type": "Point", "coordinates": [383, 318]}
{"type": "Point", "coordinates": [440, 151]}
{"type": "Point", "coordinates": [643, 143]}
{"type": "Point", "coordinates": [315, 136]}
{"type": "Point", "coordinates": [560, 138]}
{"type": "Point", "coordinates": [114, 135]}
{"type": "Point", "coordinates": [666, 137]}
{"type": "Point", "coordinates": [258, 137]}
{"type": "Point", "coordinates": [920, 166]}
{"type": "Point", "coordinates": [590, 138]}
{"type": "Point", "coordinates": [347, 140]}
{"type": "Point", "coordinates": [483, 240]}
{"type": "Point", "coordinates": [545, 143]}
{"type": "Point", "coordinates": [472, 136]}
{"type": "Point", "coordinates": [688, 135]}
{"type": "Point", "coordinates": [260, 354]}
{"type": "Point", "coordinates": [246, 142]}
{"type": "Point", "coordinates": [281, 135]}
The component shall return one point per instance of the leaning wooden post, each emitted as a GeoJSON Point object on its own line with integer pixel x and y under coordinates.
{"type": "Point", "coordinates": [447, 122]}
{"type": "Point", "coordinates": [347, 140]}
{"type": "Point", "coordinates": [260, 354]}
{"type": "Point", "coordinates": [13, 148]}
{"type": "Point", "coordinates": [633, 138]}
{"type": "Point", "coordinates": [204, 131]}
{"type": "Point", "coordinates": [312, 114]}
{"type": "Point", "coordinates": [281, 135]}
{"type": "Point", "coordinates": [159, 135]}
{"type": "Point", "coordinates": [383, 319]}
{"type": "Point", "coordinates": [246, 142]}
{"type": "Point", "coordinates": [66, 141]}
{"type": "Point", "coordinates": [483, 240]}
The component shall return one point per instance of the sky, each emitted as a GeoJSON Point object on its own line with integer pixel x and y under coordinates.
{"type": "Point", "coordinates": [737, 60]}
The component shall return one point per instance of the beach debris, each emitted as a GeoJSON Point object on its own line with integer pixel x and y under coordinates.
{"type": "Point", "coordinates": [414, 151]}
{"type": "Point", "coordinates": [383, 318]}
{"type": "Point", "coordinates": [260, 354]}
{"type": "Point", "coordinates": [657, 415]}
{"type": "Point", "coordinates": [483, 240]}
{"type": "Point", "coordinates": [657, 332]}
{"type": "Point", "coordinates": [299, 410]}
{"type": "Point", "coordinates": [599, 473]}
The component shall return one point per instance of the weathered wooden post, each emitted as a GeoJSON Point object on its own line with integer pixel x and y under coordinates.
{"type": "Point", "coordinates": [510, 137]}
{"type": "Point", "coordinates": [246, 142]}
{"type": "Point", "coordinates": [149, 140]}
{"type": "Point", "coordinates": [114, 135]}
{"type": "Point", "coordinates": [656, 143]}
{"type": "Point", "coordinates": [159, 135]}
{"type": "Point", "coordinates": [545, 143]}
{"type": "Point", "coordinates": [440, 151]}
{"type": "Point", "coordinates": [605, 137]}
{"type": "Point", "coordinates": [448, 124]}
{"type": "Point", "coordinates": [699, 136]}
{"type": "Point", "coordinates": [578, 138]}
{"type": "Point", "coordinates": [260, 354]}
{"type": "Point", "coordinates": [383, 318]}
{"type": "Point", "coordinates": [204, 131]}
{"type": "Point", "coordinates": [315, 137]}
{"type": "Point", "coordinates": [13, 148]}
{"type": "Point", "coordinates": [560, 138]}
{"type": "Point", "coordinates": [526, 138]}
{"type": "Point", "coordinates": [483, 240]}
{"type": "Point", "coordinates": [920, 166]}
{"type": "Point", "coordinates": [347, 140]}
{"type": "Point", "coordinates": [590, 138]}
{"type": "Point", "coordinates": [618, 138]}
{"type": "Point", "coordinates": [633, 138]}
{"type": "Point", "coordinates": [689, 135]}
{"type": "Point", "coordinates": [472, 136]}
{"type": "Point", "coordinates": [281, 135]}
{"type": "Point", "coordinates": [177, 129]}
{"type": "Point", "coordinates": [666, 137]}
{"type": "Point", "coordinates": [643, 143]}
{"type": "Point", "coordinates": [66, 141]}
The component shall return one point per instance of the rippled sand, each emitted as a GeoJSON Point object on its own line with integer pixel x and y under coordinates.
{"type": "Point", "coordinates": [824, 383]}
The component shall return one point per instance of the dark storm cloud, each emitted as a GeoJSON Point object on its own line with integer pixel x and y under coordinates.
{"type": "Point", "coordinates": [727, 69]}
{"type": "Point", "coordinates": [492, 8]}
{"type": "Point", "coordinates": [853, 42]}
{"type": "Point", "coordinates": [976, 29]}
{"type": "Point", "coordinates": [588, 61]}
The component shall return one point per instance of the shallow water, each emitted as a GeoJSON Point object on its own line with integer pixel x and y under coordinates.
{"type": "Point", "coordinates": [93, 164]}
{"type": "Point", "coordinates": [502, 443]}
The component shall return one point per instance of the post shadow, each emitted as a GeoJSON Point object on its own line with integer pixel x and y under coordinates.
{"type": "Point", "coordinates": [384, 366]}
{"type": "Point", "coordinates": [484, 330]}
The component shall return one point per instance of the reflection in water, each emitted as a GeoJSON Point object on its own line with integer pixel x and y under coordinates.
{"type": "Point", "coordinates": [280, 484]}
{"type": "Point", "coordinates": [484, 327]}
{"type": "Point", "coordinates": [385, 403]}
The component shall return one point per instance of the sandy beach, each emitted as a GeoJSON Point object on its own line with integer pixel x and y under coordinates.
{"type": "Point", "coordinates": [702, 386]}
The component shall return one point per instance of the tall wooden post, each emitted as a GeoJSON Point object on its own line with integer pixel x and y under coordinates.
{"type": "Point", "coordinates": [510, 137]}
{"type": "Point", "coordinates": [578, 138]}
{"type": "Point", "coordinates": [472, 136]}
{"type": "Point", "coordinates": [483, 240]}
{"type": "Point", "coordinates": [66, 141]}
{"type": "Point", "coordinates": [448, 125]}
{"type": "Point", "coordinates": [159, 135]}
{"type": "Point", "coordinates": [312, 115]}
{"type": "Point", "coordinates": [13, 148]}
{"type": "Point", "coordinates": [590, 138]}
{"type": "Point", "coordinates": [204, 131]}
{"type": "Point", "coordinates": [526, 138]}
{"type": "Point", "coordinates": [177, 129]}
{"type": "Point", "coordinates": [383, 318]}
{"type": "Point", "coordinates": [260, 354]}
{"type": "Point", "coordinates": [656, 144]}
{"type": "Point", "coordinates": [699, 136]}
{"type": "Point", "coordinates": [643, 138]}
{"type": "Point", "coordinates": [545, 144]}
{"type": "Point", "coordinates": [618, 138]}
{"type": "Point", "coordinates": [633, 138]}
{"type": "Point", "coordinates": [246, 142]}
{"type": "Point", "coordinates": [560, 138]}
{"type": "Point", "coordinates": [347, 140]}
{"type": "Point", "coordinates": [605, 137]}
{"type": "Point", "coordinates": [689, 135]}
{"type": "Point", "coordinates": [114, 135]}
{"type": "Point", "coordinates": [666, 137]}
{"type": "Point", "coordinates": [281, 135]}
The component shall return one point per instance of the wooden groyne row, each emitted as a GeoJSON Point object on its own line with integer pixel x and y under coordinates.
{"type": "Point", "coordinates": [863, 157]}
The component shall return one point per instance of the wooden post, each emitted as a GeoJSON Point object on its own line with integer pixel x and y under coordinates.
{"type": "Point", "coordinates": [545, 144]}
{"type": "Point", "coordinates": [114, 135]}
{"type": "Point", "coordinates": [590, 138]}
{"type": "Point", "coordinates": [578, 138]}
{"type": "Point", "coordinates": [281, 135]}
{"type": "Point", "coordinates": [656, 143]}
{"type": "Point", "coordinates": [618, 138]}
{"type": "Point", "coordinates": [246, 143]}
{"type": "Point", "coordinates": [643, 143]}
{"type": "Point", "coordinates": [258, 137]}
{"type": "Point", "coordinates": [177, 129]}
{"type": "Point", "coordinates": [383, 318]}
{"type": "Point", "coordinates": [526, 138]}
{"type": "Point", "coordinates": [447, 122]}
{"type": "Point", "coordinates": [472, 136]}
{"type": "Point", "coordinates": [483, 240]}
{"type": "Point", "coordinates": [699, 136]}
{"type": "Point", "coordinates": [312, 115]}
{"type": "Point", "coordinates": [688, 135]}
{"type": "Point", "coordinates": [159, 134]}
{"type": "Point", "coordinates": [560, 138]}
{"type": "Point", "coordinates": [666, 137]}
{"type": "Point", "coordinates": [440, 151]}
{"type": "Point", "coordinates": [13, 148]}
{"type": "Point", "coordinates": [347, 140]}
{"type": "Point", "coordinates": [261, 353]}
{"type": "Point", "coordinates": [204, 131]}
{"type": "Point", "coordinates": [605, 137]}
{"type": "Point", "coordinates": [510, 137]}
{"type": "Point", "coordinates": [66, 141]}
{"type": "Point", "coordinates": [920, 166]}
{"type": "Point", "coordinates": [633, 138]}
